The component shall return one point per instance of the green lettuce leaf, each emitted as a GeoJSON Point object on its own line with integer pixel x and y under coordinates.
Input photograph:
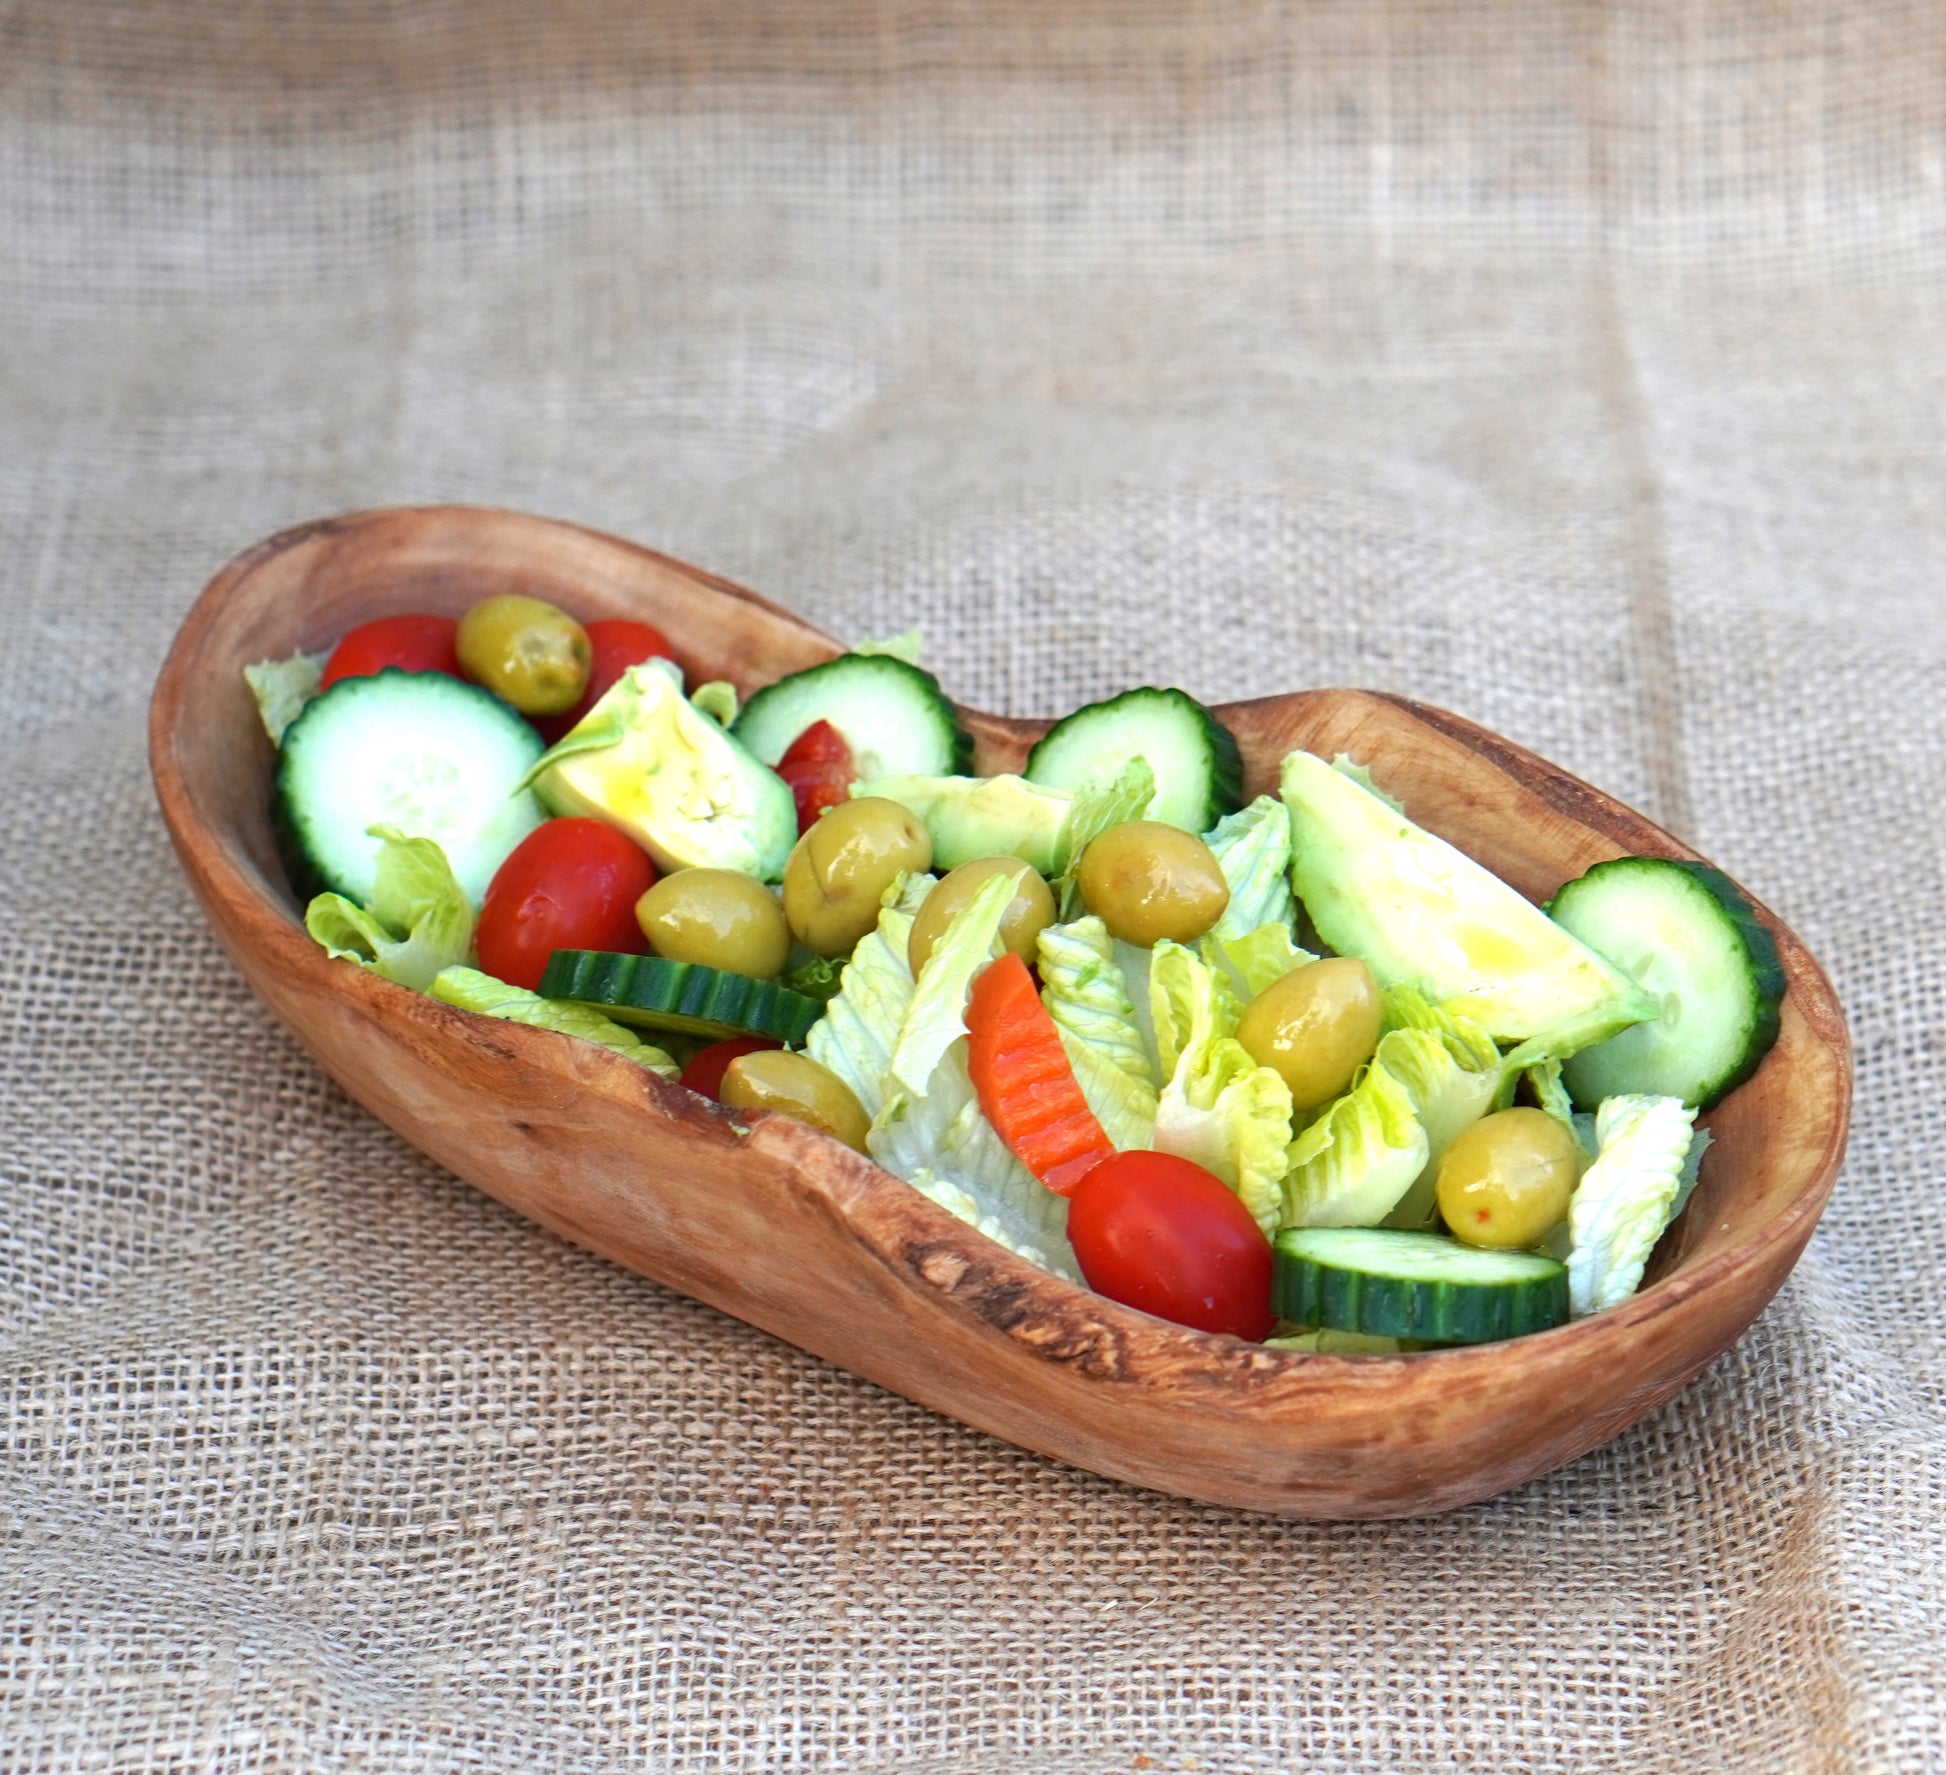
{"type": "Point", "coordinates": [1451, 1066]}
{"type": "Point", "coordinates": [940, 1143]}
{"type": "Point", "coordinates": [907, 646]}
{"type": "Point", "coordinates": [282, 687]}
{"type": "Point", "coordinates": [1625, 1198]}
{"type": "Point", "coordinates": [1094, 811]}
{"type": "Point", "coordinates": [1086, 993]}
{"type": "Point", "coordinates": [860, 1026]}
{"type": "Point", "coordinates": [1354, 1164]}
{"type": "Point", "coordinates": [470, 990]}
{"type": "Point", "coordinates": [1253, 849]}
{"type": "Point", "coordinates": [1219, 1108]}
{"type": "Point", "coordinates": [716, 699]}
{"type": "Point", "coordinates": [419, 920]}
{"type": "Point", "coordinates": [1255, 959]}
{"type": "Point", "coordinates": [936, 1017]}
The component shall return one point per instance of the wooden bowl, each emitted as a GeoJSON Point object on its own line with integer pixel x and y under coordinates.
{"type": "Point", "coordinates": [794, 1233]}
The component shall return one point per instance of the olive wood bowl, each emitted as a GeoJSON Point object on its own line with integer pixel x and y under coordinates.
{"type": "Point", "coordinates": [773, 1222]}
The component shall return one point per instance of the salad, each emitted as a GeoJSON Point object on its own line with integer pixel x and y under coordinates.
{"type": "Point", "coordinates": [1297, 1070]}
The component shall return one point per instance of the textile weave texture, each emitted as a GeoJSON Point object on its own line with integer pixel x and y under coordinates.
{"type": "Point", "coordinates": [1578, 367]}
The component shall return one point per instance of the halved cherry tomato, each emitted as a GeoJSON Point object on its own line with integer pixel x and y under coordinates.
{"type": "Point", "coordinates": [1156, 1232]}
{"type": "Point", "coordinates": [704, 1073]}
{"type": "Point", "coordinates": [412, 643]}
{"type": "Point", "coordinates": [569, 884]}
{"type": "Point", "coordinates": [818, 766]}
{"type": "Point", "coordinates": [613, 647]}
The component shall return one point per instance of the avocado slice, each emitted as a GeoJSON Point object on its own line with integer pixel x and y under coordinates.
{"type": "Point", "coordinates": [646, 761]}
{"type": "Point", "coordinates": [972, 817]}
{"type": "Point", "coordinates": [1419, 912]}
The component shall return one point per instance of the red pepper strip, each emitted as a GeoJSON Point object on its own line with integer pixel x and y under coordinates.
{"type": "Point", "coordinates": [818, 766]}
{"type": "Point", "coordinates": [1024, 1081]}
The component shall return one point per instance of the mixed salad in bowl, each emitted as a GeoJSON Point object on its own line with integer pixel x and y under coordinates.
{"type": "Point", "coordinates": [1297, 1070]}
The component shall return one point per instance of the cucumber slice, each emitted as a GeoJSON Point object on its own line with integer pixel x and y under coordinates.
{"type": "Point", "coordinates": [1198, 769]}
{"type": "Point", "coordinates": [894, 717]}
{"type": "Point", "coordinates": [651, 993]}
{"type": "Point", "coordinates": [436, 757]}
{"type": "Point", "coordinates": [1414, 1285]}
{"type": "Point", "coordinates": [1685, 933]}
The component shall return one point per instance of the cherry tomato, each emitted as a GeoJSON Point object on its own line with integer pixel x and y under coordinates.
{"type": "Point", "coordinates": [613, 646]}
{"type": "Point", "coordinates": [569, 884]}
{"type": "Point", "coordinates": [704, 1073]}
{"type": "Point", "coordinates": [1156, 1232]}
{"type": "Point", "coordinates": [412, 643]}
{"type": "Point", "coordinates": [818, 767]}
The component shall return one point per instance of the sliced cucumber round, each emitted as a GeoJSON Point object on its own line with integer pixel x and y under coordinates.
{"type": "Point", "coordinates": [652, 993]}
{"type": "Point", "coordinates": [436, 757]}
{"type": "Point", "coordinates": [1198, 769]}
{"type": "Point", "coordinates": [1685, 933]}
{"type": "Point", "coordinates": [1414, 1285]}
{"type": "Point", "coordinates": [893, 716]}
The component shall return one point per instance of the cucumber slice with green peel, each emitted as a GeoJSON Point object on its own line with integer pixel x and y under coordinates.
{"type": "Point", "coordinates": [652, 993]}
{"type": "Point", "coordinates": [1685, 933]}
{"type": "Point", "coordinates": [1414, 1285]}
{"type": "Point", "coordinates": [426, 753]}
{"type": "Point", "coordinates": [893, 716]}
{"type": "Point", "coordinates": [1198, 768]}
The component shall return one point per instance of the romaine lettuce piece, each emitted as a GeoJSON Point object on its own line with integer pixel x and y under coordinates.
{"type": "Point", "coordinates": [1085, 993]}
{"type": "Point", "coordinates": [1256, 959]}
{"type": "Point", "coordinates": [1219, 1108]}
{"type": "Point", "coordinates": [1094, 811]}
{"type": "Point", "coordinates": [1253, 849]}
{"type": "Point", "coordinates": [1625, 1198]}
{"type": "Point", "coordinates": [1353, 1165]}
{"type": "Point", "coordinates": [938, 1141]}
{"type": "Point", "coordinates": [908, 645]}
{"type": "Point", "coordinates": [1452, 1068]}
{"type": "Point", "coordinates": [860, 1026]}
{"type": "Point", "coordinates": [969, 817]}
{"type": "Point", "coordinates": [419, 920]}
{"type": "Point", "coordinates": [1124, 1106]}
{"type": "Point", "coordinates": [936, 1017]}
{"type": "Point", "coordinates": [469, 990]}
{"type": "Point", "coordinates": [282, 687]}
{"type": "Point", "coordinates": [717, 699]}
{"type": "Point", "coordinates": [1418, 911]}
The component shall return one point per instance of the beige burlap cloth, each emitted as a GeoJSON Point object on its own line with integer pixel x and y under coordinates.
{"type": "Point", "coordinates": [1580, 367]}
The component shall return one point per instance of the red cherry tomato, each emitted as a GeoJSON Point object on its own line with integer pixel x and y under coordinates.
{"type": "Point", "coordinates": [1156, 1232]}
{"type": "Point", "coordinates": [412, 643]}
{"type": "Point", "coordinates": [613, 647]}
{"type": "Point", "coordinates": [569, 884]}
{"type": "Point", "coordinates": [704, 1073]}
{"type": "Point", "coordinates": [818, 766]}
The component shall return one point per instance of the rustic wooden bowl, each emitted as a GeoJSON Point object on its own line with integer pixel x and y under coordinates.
{"type": "Point", "coordinates": [794, 1233]}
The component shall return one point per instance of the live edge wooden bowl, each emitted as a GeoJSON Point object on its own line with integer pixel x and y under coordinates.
{"type": "Point", "coordinates": [794, 1233]}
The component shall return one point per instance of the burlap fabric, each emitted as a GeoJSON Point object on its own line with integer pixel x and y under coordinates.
{"type": "Point", "coordinates": [1579, 367]}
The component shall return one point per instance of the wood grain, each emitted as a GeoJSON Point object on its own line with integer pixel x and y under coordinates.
{"type": "Point", "coordinates": [790, 1231]}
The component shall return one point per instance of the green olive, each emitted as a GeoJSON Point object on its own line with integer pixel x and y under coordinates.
{"type": "Point", "coordinates": [1029, 913]}
{"type": "Point", "coordinates": [717, 918]}
{"type": "Point", "coordinates": [1315, 1027]}
{"type": "Point", "coordinates": [1146, 881]}
{"type": "Point", "coordinates": [842, 866]}
{"type": "Point", "coordinates": [796, 1085]}
{"type": "Point", "coordinates": [1508, 1178]}
{"type": "Point", "coordinates": [526, 652]}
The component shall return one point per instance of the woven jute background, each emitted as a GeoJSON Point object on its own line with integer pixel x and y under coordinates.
{"type": "Point", "coordinates": [1580, 367]}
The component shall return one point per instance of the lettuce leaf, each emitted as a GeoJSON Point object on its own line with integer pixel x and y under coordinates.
{"type": "Point", "coordinates": [936, 1017]}
{"type": "Point", "coordinates": [419, 920]}
{"type": "Point", "coordinates": [1451, 1067]}
{"type": "Point", "coordinates": [282, 687]}
{"type": "Point", "coordinates": [1253, 849]}
{"type": "Point", "coordinates": [469, 990]}
{"type": "Point", "coordinates": [938, 1141]}
{"type": "Point", "coordinates": [1219, 1108]}
{"type": "Point", "coordinates": [717, 699]}
{"type": "Point", "coordinates": [1094, 811]}
{"type": "Point", "coordinates": [1087, 995]}
{"type": "Point", "coordinates": [1625, 1198]}
{"type": "Point", "coordinates": [860, 1026]}
{"type": "Point", "coordinates": [908, 646]}
{"type": "Point", "coordinates": [1256, 959]}
{"type": "Point", "coordinates": [1354, 1164]}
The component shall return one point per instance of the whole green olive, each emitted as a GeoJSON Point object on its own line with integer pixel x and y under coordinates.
{"type": "Point", "coordinates": [1146, 881]}
{"type": "Point", "coordinates": [796, 1085]}
{"type": "Point", "coordinates": [1508, 1178]}
{"type": "Point", "coordinates": [841, 867]}
{"type": "Point", "coordinates": [1315, 1027]}
{"type": "Point", "coordinates": [526, 652]}
{"type": "Point", "coordinates": [718, 918]}
{"type": "Point", "coordinates": [1029, 913]}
